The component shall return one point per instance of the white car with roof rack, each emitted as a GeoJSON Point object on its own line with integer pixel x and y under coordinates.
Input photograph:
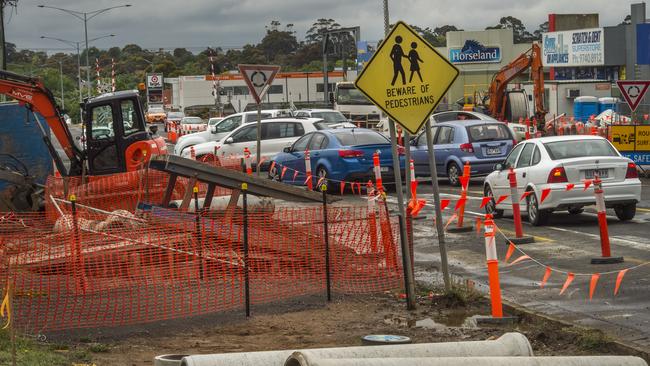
{"type": "Point", "coordinates": [553, 163]}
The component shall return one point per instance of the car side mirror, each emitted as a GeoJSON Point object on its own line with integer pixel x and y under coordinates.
{"type": "Point", "coordinates": [498, 167]}
{"type": "Point", "coordinates": [213, 129]}
{"type": "Point", "coordinates": [153, 129]}
{"type": "Point", "coordinates": [287, 149]}
{"type": "Point", "coordinates": [229, 140]}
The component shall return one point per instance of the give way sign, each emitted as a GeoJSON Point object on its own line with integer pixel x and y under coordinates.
{"type": "Point", "coordinates": [633, 91]}
{"type": "Point", "coordinates": [258, 78]}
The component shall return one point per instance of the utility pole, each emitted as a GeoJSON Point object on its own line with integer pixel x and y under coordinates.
{"type": "Point", "coordinates": [3, 49]}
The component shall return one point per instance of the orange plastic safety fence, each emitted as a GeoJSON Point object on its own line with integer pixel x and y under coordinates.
{"type": "Point", "coordinates": [118, 191]}
{"type": "Point", "coordinates": [89, 268]}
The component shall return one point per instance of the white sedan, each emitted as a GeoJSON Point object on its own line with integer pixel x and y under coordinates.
{"type": "Point", "coordinates": [563, 164]}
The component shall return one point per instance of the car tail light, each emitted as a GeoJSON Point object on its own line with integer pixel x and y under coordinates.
{"type": "Point", "coordinates": [631, 171]}
{"type": "Point", "coordinates": [401, 150]}
{"type": "Point", "coordinates": [514, 142]}
{"type": "Point", "coordinates": [467, 147]}
{"type": "Point", "coordinates": [350, 153]}
{"type": "Point", "coordinates": [557, 175]}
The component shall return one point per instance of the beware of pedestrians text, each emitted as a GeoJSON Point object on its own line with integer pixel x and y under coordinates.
{"type": "Point", "coordinates": [408, 97]}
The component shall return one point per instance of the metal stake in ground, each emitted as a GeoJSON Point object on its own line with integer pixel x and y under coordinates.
{"type": "Point", "coordinates": [406, 254]}
{"type": "Point", "coordinates": [444, 266]}
{"type": "Point", "coordinates": [516, 212]}
{"type": "Point", "coordinates": [244, 189]}
{"type": "Point", "coordinates": [328, 278]}
{"type": "Point", "coordinates": [606, 257]}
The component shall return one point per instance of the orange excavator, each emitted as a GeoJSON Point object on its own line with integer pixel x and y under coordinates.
{"type": "Point", "coordinates": [114, 135]}
{"type": "Point", "coordinates": [511, 105]}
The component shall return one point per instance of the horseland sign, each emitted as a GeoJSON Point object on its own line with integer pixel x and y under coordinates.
{"type": "Point", "coordinates": [473, 52]}
{"type": "Point", "coordinates": [583, 47]}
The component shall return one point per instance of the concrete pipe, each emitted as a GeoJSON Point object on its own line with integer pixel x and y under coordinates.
{"type": "Point", "coordinates": [220, 203]}
{"type": "Point", "coordinates": [509, 344]}
{"type": "Point", "coordinates": [168, 360]}
{"type": "Point", "coordinates": [307, 358]}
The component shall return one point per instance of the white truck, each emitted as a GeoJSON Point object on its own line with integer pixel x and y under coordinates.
{"type": "Point", "coordinates": [356, 107]}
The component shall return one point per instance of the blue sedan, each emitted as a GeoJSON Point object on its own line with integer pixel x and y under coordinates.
{"type": "Point", "coordinates": [481, 143]}
{"type": "Point", "coordinates": [338, 155]}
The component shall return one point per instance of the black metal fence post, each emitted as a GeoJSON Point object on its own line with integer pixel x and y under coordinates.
{"type": "Point", "coordinates": [199, 232]}
{"type": "Point", "coordinates": [244, 189]}
{"type": "Point", "coordinates": [326, 235]}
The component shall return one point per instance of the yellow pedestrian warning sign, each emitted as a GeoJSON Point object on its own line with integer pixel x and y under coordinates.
{"type": "Point", "coordinates": [406, 77]}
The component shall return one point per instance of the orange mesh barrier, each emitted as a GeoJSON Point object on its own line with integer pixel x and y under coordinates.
{"type": "Point", "coordinates": [99, 269]}
{"type": "Point", "coordinates": [118, 191]}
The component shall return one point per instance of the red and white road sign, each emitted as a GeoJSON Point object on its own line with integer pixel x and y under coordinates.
{"type": "Point", "coordinates": [258, 78]}
{"type": "Point", "coordinates": [633, 91]}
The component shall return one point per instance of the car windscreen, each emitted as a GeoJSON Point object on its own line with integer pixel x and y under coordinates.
{"type": "Point", "coordinates": [156, 110]}
{"type": "Point", "coordinates": [335, 117]}
{"type": "Point", "coordinates": [488, 132]}
{"type": "Point", "coordinates": [354, 137]}
{"type": "Point", "coordinates": [192, 121]}
{"type": "Point", "coordinates": [175, 115]}
{"type": "Point", "coordinates": [568, 149]}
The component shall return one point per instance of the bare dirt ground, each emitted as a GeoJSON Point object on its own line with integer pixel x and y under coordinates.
{"type": "Point", "coordinates": [342, 323]}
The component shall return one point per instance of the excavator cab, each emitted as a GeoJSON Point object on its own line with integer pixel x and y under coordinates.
{"type": "Point", "coordinates": [116, 139]}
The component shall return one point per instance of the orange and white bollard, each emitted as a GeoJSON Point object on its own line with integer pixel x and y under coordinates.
{"type": "Point", "coordinates": [527, 128]}
{"type": "Point", "coordinates": [493, 267]}
{"type": "Point", "coordinates": [516, 212]}
{"type": "Point", "coordinates": [377, 169]}
{"type": "Point", "coordinates": [606, 252]}
{"type": "Point", "coordinates": [594, 131]}
{"type": "Point", "coordinates": [464, 185]}
{"type": "Point", "coordinates": [247, 161]}
{"type": "Point", "coordinates": [310, 184]}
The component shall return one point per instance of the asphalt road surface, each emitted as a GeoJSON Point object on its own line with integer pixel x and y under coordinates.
{"type": "Point", "coordinates": [567, 242]}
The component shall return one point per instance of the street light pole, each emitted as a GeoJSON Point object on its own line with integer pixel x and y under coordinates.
{"type": "Point", "coordinates": [85, 17]}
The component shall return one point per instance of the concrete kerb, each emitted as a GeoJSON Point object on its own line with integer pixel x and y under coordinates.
{"type": "Point", "coordinates": [523, 240]}
{"type": "Point", "coordinates": [607, 260]}
{"type": "Point", "coordinates": [616, 345]}
{"type": "Point", "coordinates": [462, 229]}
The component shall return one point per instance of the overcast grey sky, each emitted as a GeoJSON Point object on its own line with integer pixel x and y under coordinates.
{"type": "Point", "coordinates": [233, 23]}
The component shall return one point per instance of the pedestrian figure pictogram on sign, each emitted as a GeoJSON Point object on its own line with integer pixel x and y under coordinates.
{"type": "Point", "coordinates": [409, 103]}
{"type": "Point", "coordinates": [396, 55]}
{"type": "Point", "coordinates": [415, 61]}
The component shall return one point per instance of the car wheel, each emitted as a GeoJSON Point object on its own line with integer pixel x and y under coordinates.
{"type": "Point", "coordinates": [273, 173]}
{"type": "Point", "coordinates": [453, 174]}
{"type": "Point", "coordinates": [536, 216]}
{"type": "Point", "coordinates": [625, 213]}
{"type": "Point", "coordinates": [321, 173]}
{"type": "Point", "coordinates": [576, 210]}
{"type": "Point", "coordinates": [491, 207]}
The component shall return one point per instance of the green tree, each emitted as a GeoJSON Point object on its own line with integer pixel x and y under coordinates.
{"type": "Point", "coordinates": [520, 34]}
{"type": "Point", "coordinates": [277, 42]}
{"type": "Point", "coordinates": [537, 34]}
{"type": "Point", "coordinates": [322, 25]}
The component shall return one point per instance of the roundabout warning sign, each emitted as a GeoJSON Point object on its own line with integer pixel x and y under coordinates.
{"type": "Point", "coordinates": [406, 77]}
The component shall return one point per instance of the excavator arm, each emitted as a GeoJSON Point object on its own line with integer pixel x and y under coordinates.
{"type": "Point", "coordinates": [31, 93]}
{"type": "Point", "coordinates": [497, 93]}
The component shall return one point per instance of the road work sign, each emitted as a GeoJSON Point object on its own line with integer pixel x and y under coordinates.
{"type": "Point", "coordinates": [633, 142]}
{"type": "Point", "coordinates": [406, 77]}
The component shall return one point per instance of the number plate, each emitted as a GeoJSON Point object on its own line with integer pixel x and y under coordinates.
{"type": "Point", "coordinates": [493, 151]}
{"type": "Point", "coordinates": [384, 168]}
{"type": "Point", "coordinates": [602, 173]}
